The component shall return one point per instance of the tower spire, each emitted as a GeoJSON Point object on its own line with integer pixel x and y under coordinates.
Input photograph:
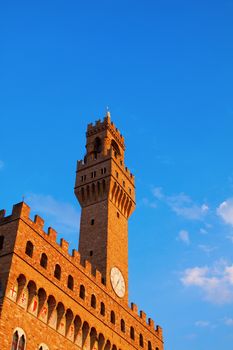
{"type": "Point", "coordinates": [108, 115]}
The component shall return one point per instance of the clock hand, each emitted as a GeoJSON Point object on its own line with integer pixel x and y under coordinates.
{"type": "Point", "coordinates": [118, 282]}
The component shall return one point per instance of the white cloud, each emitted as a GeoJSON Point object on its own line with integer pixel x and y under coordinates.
{"type": "Point", "coordinates": [183, 236]}
{"type": "Point", "coordinates": [228, 321]}
{"type": "Point", "coordinates": [229, 274]}
{"type": "Point", "coordinates": [225, 211]}
{"type": "Point", "coordinates": [158, 193]}
{"type": "Point", "coordinates": [148, 203]}
{"type": "Point", "coordinates": [202, 323]}
{"type": "Point", "coordinates": [206, 248]}
{"type": "Point", "coordinates": [63, 216]}
{"type": "Point", "coordinates": [230, 237]}
{"type": "Point", "coordinates": [203, 231]}
{"type": "Point", "coordinates": [216, 282]}
{"type": "Point", "coordinates": [182, 204]}
{"type": "Point", "coordinates": [1, 164]}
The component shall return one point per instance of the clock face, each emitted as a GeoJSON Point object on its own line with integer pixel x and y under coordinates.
{"type": "Point", "coordinates": [118, 282]}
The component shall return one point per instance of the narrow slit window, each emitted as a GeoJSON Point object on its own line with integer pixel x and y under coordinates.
{"type": "Point", "coordinates": [122, 325]}
{"type": "Point", "coordinates": [93, 301]}
{"type": "Point", "coordinates": [113, 317]}
{"type": "Point", "coordinates": [141, 340]}
{"type": "Point", "coordinates": [44, 261]}
{"type": "Point", "coordinates": [82, 292]}
{"type": "Point", "coordinates": [29, 249]}
{"type": "Point", "coordinates": [102, 309]}
{"type": "Point", "coordinates": [70, 282]}
{"type": "Point", "coordinates": [132, 335]}
{"type": "Point", "coordinates": [57, 272]}
{"type": "Point", "coordinates": [1, 242]}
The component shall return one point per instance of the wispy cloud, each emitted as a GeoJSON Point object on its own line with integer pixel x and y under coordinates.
{"type": "Point", "coordinates": [1, 164]}
{"type": "Point", "coordinates": [205, 324]}
{"type": "Point", "coordinates": [228, 321]}
{"type": "Point", "coordinates": [206, 248]}
{"type": "Point", "coordinates": [230, 237]}
{"type": "Point", "coordinates": [216, 282]}
{"type": "Point", "coordinates": [203, 231]}
{"type": "Point", "coordinates": [62, 215]}
{"type": "Point", "coordinates": [225, 211]}
{"type": "Point", "coordinates": [182, 205]}
{"type": "Point", "coordinates": [183, 236]}
{"type": "Point", "coordinates": [202, 323]}
{"type": "Point", "coordinates": [148, 203]}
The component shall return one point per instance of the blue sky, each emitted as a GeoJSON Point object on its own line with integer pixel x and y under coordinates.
{"type": "Point", "coordinates": [165, 69]}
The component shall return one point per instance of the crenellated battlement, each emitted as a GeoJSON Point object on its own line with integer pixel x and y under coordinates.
{"type": "Point", "coordinates": [21, 211]}
{"type": "Point", "coordinates": [106, 124]}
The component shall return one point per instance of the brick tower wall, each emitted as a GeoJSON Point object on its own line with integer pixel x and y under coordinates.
{"type": "Point", "coordinates": [80, 322]}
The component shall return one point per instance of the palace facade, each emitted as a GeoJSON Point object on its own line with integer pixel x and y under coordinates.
{"type": "Point", "coordinates": [52, 300]}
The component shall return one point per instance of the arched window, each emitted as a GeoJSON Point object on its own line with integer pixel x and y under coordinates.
{"type": "Point", "coordinates": [116, 148]}
{"type": "Point", "coordinates": [93, 301]}
{"type": "Point", "coordinates": [97, 146]}
{"type": "Point", "coordinates": [1, 242]}
{"type": "Point", "coordinates": [122, 325]}
{"type": "Point", "coordinates": [21, 343]}
{"type": "Point", "coordinates": [132, 335]}
{"type": "Point", "coordinates": [70, 282]}
{"type": "Point", "coordinates": [113, 317]}
{"type": "Point", "coordinates": [57, 271]}
{"type": "Point", "coordinates": [141, 340]}
{"type": "Point", "coordinates": [149, 345]}
{"type": "Point", "coordinates": [102, 309]}
{"type": "Point", "coordinates": [157, 348]}
{"type": "Point", "coordinates": [15, 341]}
{"type": "Point", "coordinates": [29, 249]}
{"type": "Point", "coordinates": [18, 340]}
{"type": "Point", "coordinates": [44, 260]}
{"type": "Point", "coordinates": [82, 292]}
{"type": "Point", "coordinates": [43, 346]}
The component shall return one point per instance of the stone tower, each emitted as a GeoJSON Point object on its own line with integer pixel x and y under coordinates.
{"type": "Point", "coordinates": [51, 299]}
{"type": "Point", "coordinates": [106, 192]}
